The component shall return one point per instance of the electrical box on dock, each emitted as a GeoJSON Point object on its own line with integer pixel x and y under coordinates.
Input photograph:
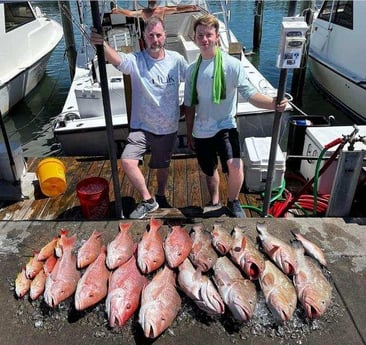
{"type": "Point", "coordinates": [292, 42]}
{"type": "Point", "coordinates": [316, 138]}
{"type": "Point", "coordinates": [256, 157]}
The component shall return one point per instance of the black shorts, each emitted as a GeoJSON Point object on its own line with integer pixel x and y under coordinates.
{"type": "Point", "coordinates": [224, 144]}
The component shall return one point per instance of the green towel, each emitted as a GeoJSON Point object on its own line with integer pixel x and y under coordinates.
{"type": "Point", "coordinates": [218, 85]}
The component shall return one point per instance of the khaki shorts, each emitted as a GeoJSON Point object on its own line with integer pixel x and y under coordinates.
{"type": "Point", "coordinates": [161, 147]}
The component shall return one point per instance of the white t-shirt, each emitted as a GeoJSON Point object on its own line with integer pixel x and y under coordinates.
{"type": "Point", "coordinates": [155, 87]}
{"type": "Point", "coordinates": [210, 117]}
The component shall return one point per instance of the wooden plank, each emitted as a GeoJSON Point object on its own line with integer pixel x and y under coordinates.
{"type": "Point", "coordinates": [180, 183]}
{"type": "Point", "coordinates": [194, 194]}
{"type": "Point", "coordinates": [186, 190]}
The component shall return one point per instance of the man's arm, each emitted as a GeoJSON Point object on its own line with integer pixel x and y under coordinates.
{"type": "Point", "coordinates": [262, 101]}
{"type": "Point", "coordinates": [181, 8]}
{"type": "Point", "coordinates": [126, 12]}
{"type": "Point", "coordinates": [189, 113]}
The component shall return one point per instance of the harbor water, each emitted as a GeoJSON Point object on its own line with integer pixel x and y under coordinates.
{"type": "Point", "coordinates": [29, 124]}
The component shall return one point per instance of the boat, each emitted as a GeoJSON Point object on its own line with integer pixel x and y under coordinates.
{"type": "Point", "coordinates": [80, 128]}
{"type": "Point", "coordinates": [29, 37]}
{"type": "Point", "coordinates": [336, 55]}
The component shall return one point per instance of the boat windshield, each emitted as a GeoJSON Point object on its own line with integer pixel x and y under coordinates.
{"type": "Point", "coordinates": [338, 12]}
{"type": "Point", "coordinates": [17, 14]}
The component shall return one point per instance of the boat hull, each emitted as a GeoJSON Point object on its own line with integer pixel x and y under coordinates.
{"type": "Point", "coordinates": [343, 91]}
{"type": "Point", "coordinates": [21, 85]}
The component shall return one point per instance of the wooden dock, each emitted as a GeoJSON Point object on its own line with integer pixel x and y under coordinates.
{"type": "Point", "coordinates": [186, 191]}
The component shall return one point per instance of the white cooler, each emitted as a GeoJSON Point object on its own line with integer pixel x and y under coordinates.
{"type": "Point", "coordinates": [256, 157]}
{"type": "Point", "coordinates": [315, 140]}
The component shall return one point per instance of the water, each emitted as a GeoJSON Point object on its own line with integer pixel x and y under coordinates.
{"type": "Point", "coordinates": [30, 122]}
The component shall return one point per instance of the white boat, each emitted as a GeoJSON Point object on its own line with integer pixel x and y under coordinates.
{"type": "Point", "coordinates": [80, 128]}
{"type": "Point", "coordinates": [337, 54]}
{"type": "Point", "coordinates": [27, 38]}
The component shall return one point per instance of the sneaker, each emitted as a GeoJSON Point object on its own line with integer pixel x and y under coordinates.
{"type": "Point", "coordinates": [212, 207]}
{"type": "Point", "coordinates": [235, 209]}
{"type": "Point", "coordinates": [162, 201]}
{"type": "Point", "coordinates": [143, 208]}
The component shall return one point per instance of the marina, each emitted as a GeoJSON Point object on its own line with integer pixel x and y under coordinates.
{"type": "Point", "coordinates": [40, 202]}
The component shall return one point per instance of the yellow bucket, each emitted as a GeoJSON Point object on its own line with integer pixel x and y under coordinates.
{"type": "Point", "coordinates": [51, 176]}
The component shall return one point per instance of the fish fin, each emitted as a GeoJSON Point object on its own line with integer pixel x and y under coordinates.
{"type": "Point", "coordinates": [63, 233]}
{"type": "Point", "coordinates": [155, 223]}
{"type": "Point", "coordinates": [124, 226]}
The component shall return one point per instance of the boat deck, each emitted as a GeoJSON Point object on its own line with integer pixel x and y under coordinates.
{"type": "Point", "coordinates": [186, 191]}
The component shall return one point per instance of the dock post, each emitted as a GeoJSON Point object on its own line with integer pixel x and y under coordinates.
{"type": "Point", "coordinates": [69, 36]}
{"type": "Point", "coordinates": [94, 5]}
{"type": "Point", "coordinates": [258, 23]}
{"type": "Point", "coordinates": [276, 129]}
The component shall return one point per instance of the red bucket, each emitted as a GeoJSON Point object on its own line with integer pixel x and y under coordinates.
{"type": "Point", "coordinates": [93, 194]}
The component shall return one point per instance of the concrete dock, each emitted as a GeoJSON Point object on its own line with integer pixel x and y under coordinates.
{"type": "Point", "coordinates": [344, 244]}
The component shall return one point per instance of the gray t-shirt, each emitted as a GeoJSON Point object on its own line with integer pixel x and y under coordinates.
{"type": "Point", "coordinates": [210, 117]}
{"type": "Point", "coordinates": [155, 87]}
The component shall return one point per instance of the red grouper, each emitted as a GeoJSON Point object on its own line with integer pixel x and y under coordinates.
{"type": "Point", "coordinates": [62, 281]}
{"type": "Point", "coordinates": [239, 294]}
{"type": "Point", "coordinates": [202, 255]}
{"type": "Point", "coordinates": [90, 250]}
{"type": "Point", "coordinates": [121, 248]}
{"type": "Point", "coordinates": [313, 289]}
{"type": "Point", "coordinates": [246, 255]}
{"type": "Point", "coordinates": [221, 238]}
{"type": "Point", "coordinates": [150, 251]}
{"type": "Point", "coordinates": [200, 289]}
{"type": "Point", "coordinates": [279, 292]}
{"type": "Point", "coordinates": [160, 303]}
{"type": "Point", "coordinates": [124, 292]}
{"type": "Point", "coordinates": [93, 285]}
{"type": "Point", "coordinates": [281, 253]}
{"type": "Point", "coordinates": [177, 246]}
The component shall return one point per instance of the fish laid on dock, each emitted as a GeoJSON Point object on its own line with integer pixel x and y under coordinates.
{"type": "Point", "coordinates": [313, 289]}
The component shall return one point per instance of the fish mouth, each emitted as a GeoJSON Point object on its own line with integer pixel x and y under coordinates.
{"type": "Point", "coordinates": [253, 271]}
{"type": "Point", "coordinates": [240, 313]}
{"type": "Point", "coordinates": [222, 248]}
{"type": "Point", "coordinates": [150, 331]}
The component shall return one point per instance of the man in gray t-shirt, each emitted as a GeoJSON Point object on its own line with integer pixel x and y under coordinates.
{"type": "Point", "coordinates": [155, 77]}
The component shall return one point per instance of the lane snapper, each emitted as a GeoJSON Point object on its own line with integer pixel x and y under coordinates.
{"type": "Point", "coordinates": [279, 251]}
{"type": "Point", "coordinates": [311, 248]}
